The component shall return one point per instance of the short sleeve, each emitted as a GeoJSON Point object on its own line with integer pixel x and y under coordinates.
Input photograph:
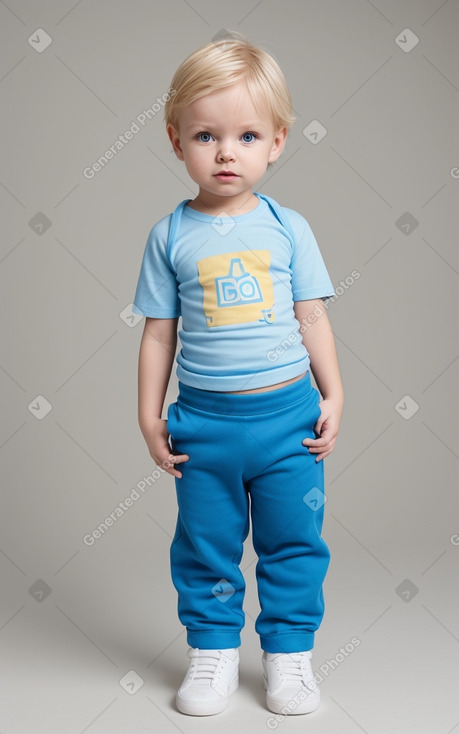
{"type": "Point", "coordinates": [157, 295]}
{"type": "Point", "coordinates": [310, 278]}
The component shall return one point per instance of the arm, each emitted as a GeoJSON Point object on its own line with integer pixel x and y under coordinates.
{"type": "Point", "coordinates": [156, 357]}
{"type": "Point", "coordinates": [320, 343]}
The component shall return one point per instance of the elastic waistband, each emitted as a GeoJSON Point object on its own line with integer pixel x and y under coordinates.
{"type": "Point", "coordinates": [247, 403]}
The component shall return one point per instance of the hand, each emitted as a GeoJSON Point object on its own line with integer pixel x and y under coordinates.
{"type": "Point", "coordinates": [327, 428]}
{"type": "Point", "coordinates": [157, 439]}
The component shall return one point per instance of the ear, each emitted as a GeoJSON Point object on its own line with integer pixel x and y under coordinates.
{"type": "Point", "coordinates": [278, 144]}
{"type": "Point", "coordinates": [175, 140]}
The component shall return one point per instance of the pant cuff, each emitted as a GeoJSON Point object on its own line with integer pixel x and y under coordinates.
{"type": "Point", "coordinates": [213, 639]}
{"type": "Point", "coordinates": [287, 642]}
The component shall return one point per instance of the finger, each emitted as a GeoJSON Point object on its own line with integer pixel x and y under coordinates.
{"type": "Point", "coordinates": [177, 458]}
{"type": "Point", "coordinates": [173, 459]}
{"type": "Point", "coordinates": [322, 450]}
{"type": "Point", "coordinates": [326, 437]}
{"type": "Point", "coordinates": [170, 469]}
{"type": "Point", "coordinates": [324, 429]}
{"type": "Point", "coordinates": [318, 426]}
{"type": "Point", "coordinates": [315, 443]}
{"type": "Point", "coordinates": [174, 473]}
{"type": "Point", "coordinates": [328, 450]}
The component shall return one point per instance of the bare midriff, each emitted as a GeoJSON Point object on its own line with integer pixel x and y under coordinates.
{"type": "Point", "coordinates": [268, 387]}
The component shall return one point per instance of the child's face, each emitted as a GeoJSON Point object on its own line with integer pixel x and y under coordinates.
{"type": "Point", "coordinates": [223, 132]}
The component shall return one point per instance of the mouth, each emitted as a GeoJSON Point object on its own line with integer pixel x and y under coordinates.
{"type": "Point", "coordinates": [226, 176]}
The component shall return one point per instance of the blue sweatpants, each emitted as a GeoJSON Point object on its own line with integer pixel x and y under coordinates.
{"type": "Point", "coordinates": [247, 460]}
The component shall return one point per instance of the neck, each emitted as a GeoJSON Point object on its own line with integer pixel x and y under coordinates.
{"type": "Point", "coordinates": [224, 205]}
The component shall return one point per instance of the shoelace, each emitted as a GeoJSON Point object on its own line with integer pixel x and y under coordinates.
{"type": "Point", "coordinates": [292, 667]}
{"type": "Point", "coordinates": [204, 666]}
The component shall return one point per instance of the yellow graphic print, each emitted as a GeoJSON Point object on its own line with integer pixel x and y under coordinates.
{"type": "Point", "coordinates": [237, 287]}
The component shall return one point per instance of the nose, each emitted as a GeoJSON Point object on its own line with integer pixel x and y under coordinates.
{"type": "Point", "coordinates": [225, 153]}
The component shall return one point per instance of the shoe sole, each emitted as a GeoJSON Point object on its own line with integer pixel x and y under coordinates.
{"type": "Point", "coordinates": [289, 707]}
{"type": "Point", "coordinates": [205, 708]}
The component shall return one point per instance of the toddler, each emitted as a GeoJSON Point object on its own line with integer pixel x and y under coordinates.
{"type": "Point", "coordinates": [248, 433]}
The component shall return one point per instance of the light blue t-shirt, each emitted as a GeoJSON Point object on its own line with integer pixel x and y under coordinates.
{"type": "Point", "coordinates": [233, 281]}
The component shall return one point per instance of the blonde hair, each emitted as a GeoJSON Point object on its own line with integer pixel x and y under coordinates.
{"type": "Point", "coordinates": [224, 62]}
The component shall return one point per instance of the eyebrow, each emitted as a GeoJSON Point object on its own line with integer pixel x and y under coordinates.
{"type": "Point", "coordinates": [246, 126]}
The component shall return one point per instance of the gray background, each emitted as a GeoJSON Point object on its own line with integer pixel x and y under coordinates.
{"type": "Point", "coordinates": [380, 191]}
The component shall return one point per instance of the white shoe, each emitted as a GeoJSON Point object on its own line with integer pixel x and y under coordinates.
{"type": "Point", "coordinates": [289, 682]}
{"type": "Point", "coordinates": [212, 677]}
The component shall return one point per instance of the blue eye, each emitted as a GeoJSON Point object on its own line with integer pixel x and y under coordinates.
{"type": "Point", "coordinates": [248, 137]}
{"type": "Point", "coordinates": [205, 137]}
